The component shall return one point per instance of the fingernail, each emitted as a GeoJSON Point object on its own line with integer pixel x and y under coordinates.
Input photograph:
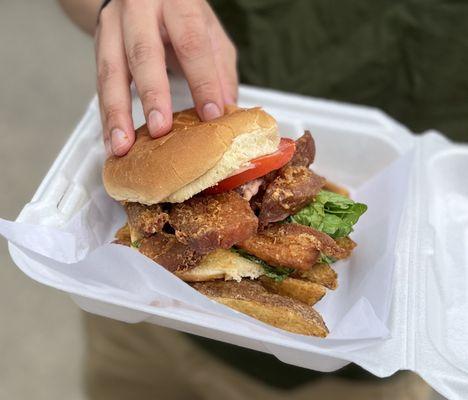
{"type": "Point", "coordinates": [210, 111]}
{"type": "Point", "coordinates": [119, 140]}
{"type": "Point", "coordinates": [155, 123]}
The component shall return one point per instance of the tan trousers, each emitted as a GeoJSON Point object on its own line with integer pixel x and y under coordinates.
{"type": "Point", "coordinates": [145, 361]}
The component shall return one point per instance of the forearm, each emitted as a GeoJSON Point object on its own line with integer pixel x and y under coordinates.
{"type": "Point", "coordinates": [82, 12]}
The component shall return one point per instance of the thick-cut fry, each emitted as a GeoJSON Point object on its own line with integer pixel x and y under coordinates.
{"type": "Point", "coordinates": [333, 187]}
{"type": "Point", "coordinates": [253, 299]}
{"type": "Point", "coordinates": [122, 236]}
{"type": "Point", "coordinates": [298, 289]}
{"type": "Point", "coordinates": [347, 245]}
{"type": "Point", "coordinates": [322, 274]}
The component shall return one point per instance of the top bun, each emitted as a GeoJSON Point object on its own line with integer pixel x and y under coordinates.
{"type": "Point", "coordinates": [192, 157]}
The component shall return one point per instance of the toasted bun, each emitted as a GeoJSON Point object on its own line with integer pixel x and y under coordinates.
{"type": "Point", "coordinates": [222, 264]}
{"type": "Point", "coordinates": [253, 299]}
{"type": "Point", "coordinates": [192, 157]}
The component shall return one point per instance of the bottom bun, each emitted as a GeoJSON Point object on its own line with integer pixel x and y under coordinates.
{"type": "Point", "coordinates": [222, 264]}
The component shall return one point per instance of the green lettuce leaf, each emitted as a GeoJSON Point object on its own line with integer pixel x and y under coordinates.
{"type": "Point", "coordinates": [276, 273]}
{"type": "Point", "coordinates": [324, 259]}
{"type": "Point", "coordinates": [136, 244]}
{"type": "Point", "coordinates": [331, 213]}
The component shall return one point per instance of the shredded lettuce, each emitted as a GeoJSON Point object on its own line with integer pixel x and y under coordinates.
{"type": "Point", "coordinates": [324, 259]}
{"type": "Point", "coordinates": [331, 213]}
{"type": "Point", "coordinates": [136, 244]}
{"type": "Point", "coordinates": [277, 273]}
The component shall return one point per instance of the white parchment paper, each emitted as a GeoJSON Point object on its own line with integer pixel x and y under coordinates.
{"type": "Point", "coordinates": [81, 255]}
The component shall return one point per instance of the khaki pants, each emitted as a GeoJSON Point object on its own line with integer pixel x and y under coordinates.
{"type": "Point", "coordinates": [144, 361]}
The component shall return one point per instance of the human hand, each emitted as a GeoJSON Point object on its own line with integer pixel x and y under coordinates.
{"type": "Point", "coordinates": [135, 39]}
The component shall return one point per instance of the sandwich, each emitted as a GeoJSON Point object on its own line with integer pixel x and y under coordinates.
{"type": "Point", "coordinates": [236, 211]}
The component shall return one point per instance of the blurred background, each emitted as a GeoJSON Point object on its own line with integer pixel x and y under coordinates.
{"type": "Point", "coordinates": [47, 68]}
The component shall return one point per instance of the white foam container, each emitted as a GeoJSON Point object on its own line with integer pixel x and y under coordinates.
{"type": "Point", "coordinates": [429, 312]}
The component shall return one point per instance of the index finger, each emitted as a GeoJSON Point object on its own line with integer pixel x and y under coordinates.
{"type": "Point", "coordinates": [145, 55]}
{"type": "Point", "coordinates": [188, 32]}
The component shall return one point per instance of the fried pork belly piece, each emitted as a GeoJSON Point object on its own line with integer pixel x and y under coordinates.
{"type": "Point", "coordinates": [303, 156]}
{"type": "Point", "coordinates": [145, 220]}
{"type": "Point", "coordinates": [305, 151]}
{"type": "Point", "coordinates": [292, 190]}
{"type": "Point", "coordinates": [291, 246]}
{"type": "Point", "coordinates": [299, 289]}
{"type": "Point", "coordinates": [347, 246]}
{"type": "Point", "coordinates": [206, 223]}
{"type": "Point", "coordinates": [321, 274]}
{"type": "Point", "coordinates": [166, 250]}
{"type": "Point", "coordinates": [251, 298]}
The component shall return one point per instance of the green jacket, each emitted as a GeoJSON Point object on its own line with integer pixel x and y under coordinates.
{"type": "Point", "coordinates": [407, 57]}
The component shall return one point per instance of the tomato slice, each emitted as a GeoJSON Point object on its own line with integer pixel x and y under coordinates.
{"type": "Point", "coordinates": [258, 167]}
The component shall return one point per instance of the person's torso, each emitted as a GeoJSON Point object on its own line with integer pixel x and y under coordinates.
{"type": "Point", "coordinates": [407, 57]}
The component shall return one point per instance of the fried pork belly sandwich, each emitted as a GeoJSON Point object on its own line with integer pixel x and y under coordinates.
{"type": "Point", "coordinates": [235, 211]}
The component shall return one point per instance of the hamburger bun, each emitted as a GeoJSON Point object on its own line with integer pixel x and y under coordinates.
{"type": "Point", "coordinates": [192, 157]}
{"type": "Point", "coordinates": [222, 264]}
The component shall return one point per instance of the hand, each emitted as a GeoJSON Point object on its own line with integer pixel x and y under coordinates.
{"type": "Point", "coordinates": [134, 39]}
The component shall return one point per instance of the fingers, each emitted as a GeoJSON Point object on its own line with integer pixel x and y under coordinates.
{"type": "Point", "coordinates": [186, 26]}
{"type": "Point", "coordinates": [113, 85]}
{"type": "Point", "coordinates": [225, 56]}
{"type": "Point", "coordinates": [129, 44]}
{"type": "Point", "coordinates": [145, 55]}
{"type": "Point", "coordinates": [226, 64]}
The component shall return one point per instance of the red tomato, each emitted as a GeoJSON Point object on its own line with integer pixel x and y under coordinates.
{"type": "Point", "coordinates": [258, 167]}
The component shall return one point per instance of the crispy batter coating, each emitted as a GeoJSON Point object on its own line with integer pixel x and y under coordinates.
{"type": "Point", "coordinates": [206, 223]}
{"type": "Point", "coordinates": [166, 250]}
{"type": "Point", "coordinates": [291, 245]}
{"type": "Point", "coordinates": [292, 190]}
{"type": "Point", "coordinates": [145, 220]}
{"type": "Point", "coordinates": [305, 151]}
{"type": "Point", "coordinates": [303, 156]}
{"type": "Point", "coordinates": [251, 298]}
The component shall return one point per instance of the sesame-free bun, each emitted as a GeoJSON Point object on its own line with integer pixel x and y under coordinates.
{"type": "Point", "coordinates": [192, 157]}
{"type": "Point", "coordinates": [222, 264]}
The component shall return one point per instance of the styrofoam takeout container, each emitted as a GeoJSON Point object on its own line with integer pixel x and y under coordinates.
{"type": "Point", "coordinates": [428, 320]}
